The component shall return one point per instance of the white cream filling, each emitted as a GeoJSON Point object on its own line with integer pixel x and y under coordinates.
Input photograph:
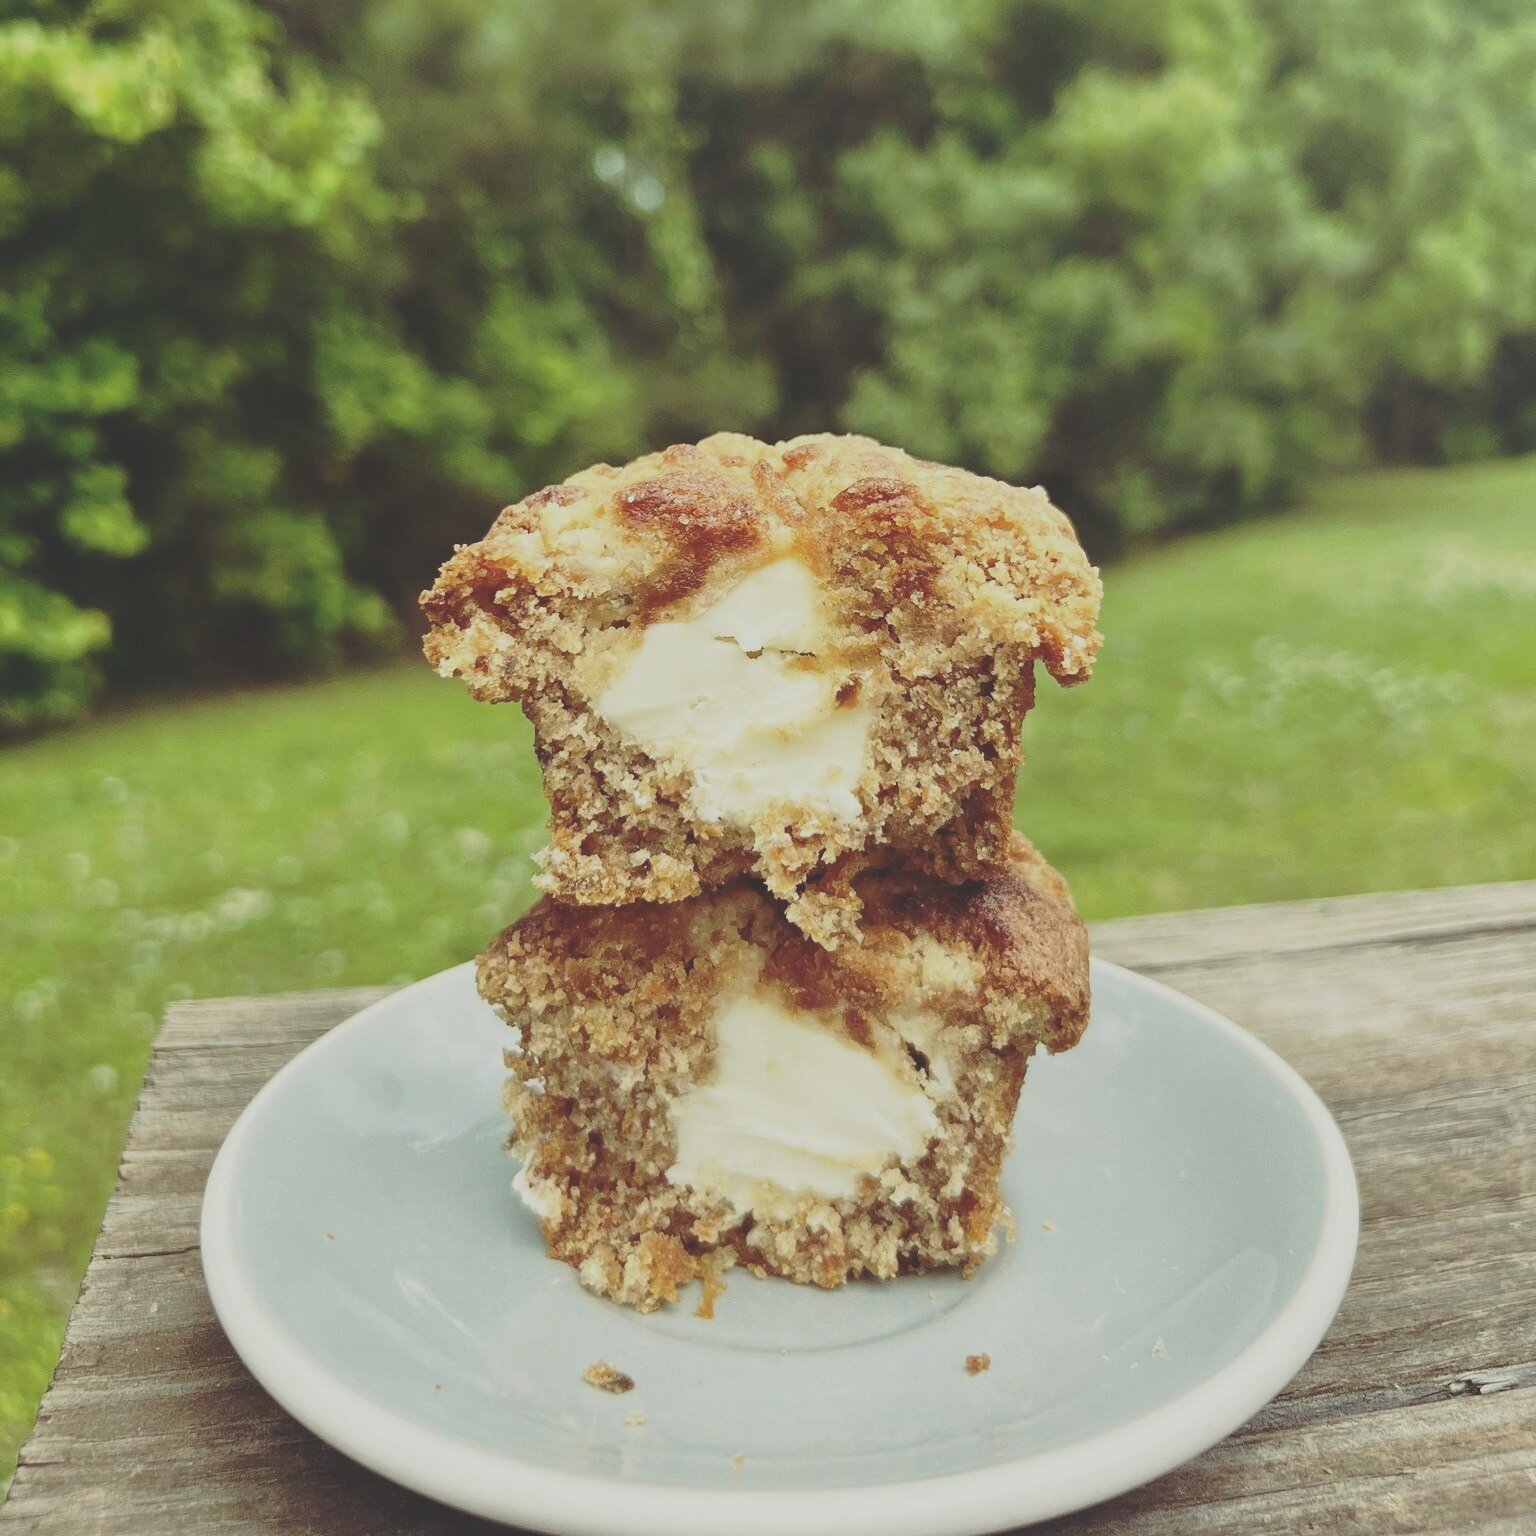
{"type": "Point", "coordinates": [542, 1199]}
{"type": "Point", "coordinates": [793, 1108]}
{"type": "Point", "coordinates": [923, 1031]}
{"type": "Point", "coordinates": [730, 695]}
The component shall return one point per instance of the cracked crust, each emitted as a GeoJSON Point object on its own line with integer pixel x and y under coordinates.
{"type": "Point", "coordinates": [943, 589]}
{"type": "Point", "coordinates": [614, 1010]}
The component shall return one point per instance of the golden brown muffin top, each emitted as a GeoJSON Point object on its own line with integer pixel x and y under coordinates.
{"type": "Point", "coordinates": [944, 548]}
{"type": "Point", "coordinates": [1009, 953]}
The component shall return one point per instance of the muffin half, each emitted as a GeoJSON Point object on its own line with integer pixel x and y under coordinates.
{"type": "Point", "coordinates": [743, 659]}
{"type": "Point", "coordinates": [698, 1084]}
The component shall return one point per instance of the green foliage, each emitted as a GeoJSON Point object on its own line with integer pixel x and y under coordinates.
{"type": "Point", "coordinates": [218, 423]}
{"type": "Point", "coordinates": [1171, 258]}
{"type": "Point", "coordinates": [291, 298]}
{"type": "Point", "coordinates": [179, 209]}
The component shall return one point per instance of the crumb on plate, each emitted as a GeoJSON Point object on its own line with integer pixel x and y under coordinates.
{"type": "Point", "coordinates": [976, 1364]}
{"type": "Point", "coordinates": [606, 1379]}
{"type": "Point", "coordinates": [714, 1287]}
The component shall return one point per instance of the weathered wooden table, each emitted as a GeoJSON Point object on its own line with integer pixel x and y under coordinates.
{"type": "Point", "coordinates": [1412, 1015]}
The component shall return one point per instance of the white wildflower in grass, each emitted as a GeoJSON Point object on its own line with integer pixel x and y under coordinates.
{"type": "Point", "coordinates": [103, 1077]}
{"type": "Point", "coordinates": [393, 827]}
{"type": "Point", "coordinates": [1286, 679]}
{"type": "Point", "coordinates": [236, 908]}
{"type": "Point", "coordinates": [1456, 572]}
{"type": "Point", "coordinates": [471, 843]}
{"type": "Point", "coordinates": [166, 927]}
{"type": "Point", "coordinates": [32, 1002]}
{"type": "Point", "coordinates": [114, 791]}
{"type": "Point", "coordinates": [325, 836]}
{"type": "Point", "coordinates": [77, 866]}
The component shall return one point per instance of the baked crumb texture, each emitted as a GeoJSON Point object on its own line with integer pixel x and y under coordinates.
{"type": "Point", "coordinates": [871, 622]}
{"type": "Point", "coordinates": [624, 1015]}
{"type": "Point", "coordinates": [976, 1364]}
{"type": "Point", "coordinates": [607, 1378]}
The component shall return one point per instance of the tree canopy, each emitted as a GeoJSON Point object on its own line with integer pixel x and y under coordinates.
{"type": "Point", "coordinates": [292, 296]}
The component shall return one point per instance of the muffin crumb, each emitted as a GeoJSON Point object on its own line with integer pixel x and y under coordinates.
{"type": "Point", "coordinates": [976, 1364]}
{"type": "Point", "coordinates": [606, 1379]}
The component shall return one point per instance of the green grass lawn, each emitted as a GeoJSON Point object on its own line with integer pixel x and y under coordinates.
{"type": "Point", "coordinates": [1340, 700]}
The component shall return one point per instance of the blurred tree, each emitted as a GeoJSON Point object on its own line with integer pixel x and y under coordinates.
{"type": "Point", "coordinates": [225, 398]}
{"type": "Point", "coordinates": [1166, 257]}
{"type": "Point", "coordinates": [178, 220]}
{"type": "Point", "coordinates": [290, 298]}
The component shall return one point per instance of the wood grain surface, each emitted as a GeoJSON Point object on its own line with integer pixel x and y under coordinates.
{"type": "Point", "coordinates": [1413, 1016]}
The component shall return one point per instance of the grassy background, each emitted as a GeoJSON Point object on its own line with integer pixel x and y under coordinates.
{"type": "Point", "coordinates": [1340, 700]}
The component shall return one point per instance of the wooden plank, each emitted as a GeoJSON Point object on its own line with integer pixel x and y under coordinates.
{"type": "Point", "coordinates": [1463, 1465]}
{"type": "Point", "coordinates": [1180, 938]}
{"type": "Point", "coordinates": [286, 1018]}
{"type": "Point", "coordinates": [1413, 1016]}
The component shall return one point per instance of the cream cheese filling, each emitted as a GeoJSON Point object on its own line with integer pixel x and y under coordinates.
{"type": "Point", "coordinates": [794, 1108]}
{"type": "Point", "coordinates": [734, 694]}
{"type": "Point", "coordinates": [542, 1198]}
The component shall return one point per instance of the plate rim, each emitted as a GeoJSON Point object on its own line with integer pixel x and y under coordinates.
{"type": "Point", "coordinates": [1034, 1487]}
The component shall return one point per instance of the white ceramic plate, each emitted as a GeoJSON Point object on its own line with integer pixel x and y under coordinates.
{"type": "Point", "coordinates": [1187, 1222]}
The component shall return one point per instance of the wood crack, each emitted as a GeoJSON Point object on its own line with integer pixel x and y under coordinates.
{"type": "Point", "coordinates": [148, 1253]}
{"type": "Point", "coordinates": [1501, 1379]}
{"type": "Point", "coordinates": [1291, 1413]}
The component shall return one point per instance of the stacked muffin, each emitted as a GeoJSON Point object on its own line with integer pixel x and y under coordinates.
{"type": "Point", "coordinates": [778, 1002]}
